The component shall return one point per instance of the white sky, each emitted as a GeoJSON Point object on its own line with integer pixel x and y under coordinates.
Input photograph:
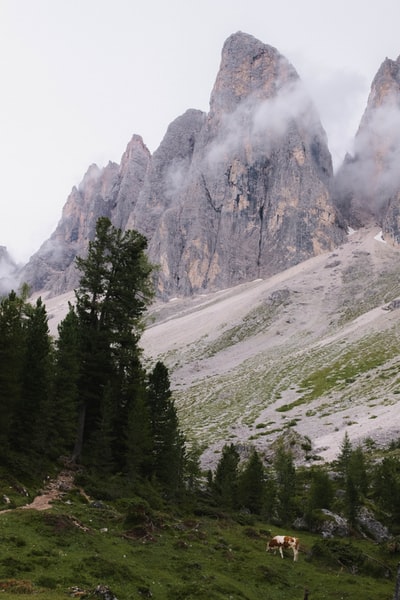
{"type": "Point", "coordinates": [80, 77]}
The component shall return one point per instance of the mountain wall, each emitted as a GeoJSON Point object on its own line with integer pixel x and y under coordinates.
{"type": "Point", "coordinates": [367, 187]}
{"type": "Point", "coordinates": [241, 192]}
{"type": "Point", "coordinates": [248, 193]}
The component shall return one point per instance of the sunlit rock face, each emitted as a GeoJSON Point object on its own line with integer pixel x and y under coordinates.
{"type": "Point", "coordinates": [367, 187]}
{"type": "Point", "coordinates": [234, 194]}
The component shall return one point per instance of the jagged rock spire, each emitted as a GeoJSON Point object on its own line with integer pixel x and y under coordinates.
{"type": "Point", "coordinates": [368, 184]}
{"type": "Point", "coordinates": [238, 193]}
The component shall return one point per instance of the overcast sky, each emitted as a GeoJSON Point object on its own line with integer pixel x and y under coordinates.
{"type": "Point", "coordinates": [80, 77]}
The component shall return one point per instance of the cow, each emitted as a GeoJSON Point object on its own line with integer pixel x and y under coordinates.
{"type": "Point", "coordinates": [284, 541]}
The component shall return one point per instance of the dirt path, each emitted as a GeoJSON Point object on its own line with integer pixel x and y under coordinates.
{"type": "Point", "coordinates": [53, 490]}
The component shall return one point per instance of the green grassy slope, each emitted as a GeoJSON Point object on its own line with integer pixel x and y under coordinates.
{"type": "Point", "coordinates": [74, 545]}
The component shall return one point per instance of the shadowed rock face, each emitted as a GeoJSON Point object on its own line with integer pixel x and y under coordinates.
{"type": "Point", "coordinates": [255, 195]}
{"type": "Point", "coordinates": [239, 193]}
{"type": "Point", "coordinates": [367, 187]}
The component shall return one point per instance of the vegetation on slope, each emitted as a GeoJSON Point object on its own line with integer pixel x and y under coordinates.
{"type": "Point", "coordinates": [141, 518]}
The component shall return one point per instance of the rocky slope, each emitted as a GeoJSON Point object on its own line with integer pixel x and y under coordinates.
{"type": "Point", "coordinates": [314, 350]}
{"type": "Point", "coordinates": [238, 193]}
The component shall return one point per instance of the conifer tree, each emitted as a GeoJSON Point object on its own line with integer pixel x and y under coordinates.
{"type": "Point", "coordinates": [225, 484]}
{"type": "Point", "coordinates": [286, 483]}
{"type": "Point", "coordinates": [12, 344]}
{"type": "Point", "coordinates": [386, 487]}
{"type": "Point", "coordinates": [114, 291]}
{"type": "Point", "coordinates": [34, 410]}
{"type": "Point", "coordinates": [343, 459]}
{"type": "Point", "coordinates": [252, 485]}
{"type": "Point", "coordinates": [167, 440]}
{"type": "Point", "coordinates": [357, 470]}
{"type": "Point", "coordinates": [65, 387]}
{"type": "Point", "coordinates": [321, 493]}
{"type": "Point", "coordinates": [139, 460]}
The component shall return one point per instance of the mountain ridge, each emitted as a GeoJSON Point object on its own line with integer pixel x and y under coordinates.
{"type": "Point", "coordinates": [237, 193]}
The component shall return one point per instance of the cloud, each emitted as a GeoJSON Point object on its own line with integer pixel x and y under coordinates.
{"type": "Point", "coordinates": [370, 178]}
{"type": "Point", "coordinates": [340, 97]}
{"type": "Point", "coordinates": [273, 117]}
{"type": "Point", "coordinates": [378, 146]}
{"type": "Point", "coordinates": [176, 179]}
{"type": "Point", "coordinates": [8, 273]}
{"type": "Point", "coordinates": [264, 123]}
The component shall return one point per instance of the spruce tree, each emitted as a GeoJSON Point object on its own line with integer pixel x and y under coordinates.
{"type": "Point", "coordinates": [320, 495]}
{"type": "Point", "coordinates": [343, 459]}
{"type": "Point", "coordinates": [225, 483]}
{"type": "Point", "coordinates": [386, 488]}
{"type": "Point", "coordinates": [34, 411]}
{"type": "Point", "coordinates": [114, 291]}
{"type": "Point", "coordinates": [167, 441]}
{"type": "Point", "coordinates": [252, 485]}
{"type": "Point", "coordinates": [12, 345]}
{"type": "Point", "coordinates": [357, 470]}
{"type": "Point", "coordinates": [285, 473]}
{"type": "Point", "coordinates": [65, 391]}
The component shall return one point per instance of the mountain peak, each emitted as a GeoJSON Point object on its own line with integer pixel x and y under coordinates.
{"type": "Point", "coordinates": [239, 193]}
{"type": "Point", "coordinates": [248, 68]}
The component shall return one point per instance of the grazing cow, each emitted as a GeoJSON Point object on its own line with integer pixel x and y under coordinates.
{"type": "Point", "coordinates": [284, 541]}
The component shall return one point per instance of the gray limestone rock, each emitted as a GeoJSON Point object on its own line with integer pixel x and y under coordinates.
{"type": "Point", "coordinates": [367, 186]}
{"type": "Point", "coordinates": [239, 193]}
{"type": "Point", "coordinates": [112, 192]}
{"type": "Point", "coordinates": [255, 198]}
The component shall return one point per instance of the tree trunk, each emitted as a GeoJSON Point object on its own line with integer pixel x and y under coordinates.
{"type": "Point", "coordinates": [79, 433]}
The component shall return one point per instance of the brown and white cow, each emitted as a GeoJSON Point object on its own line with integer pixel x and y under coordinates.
{"type": "Point", "coordinates": [279, 542]}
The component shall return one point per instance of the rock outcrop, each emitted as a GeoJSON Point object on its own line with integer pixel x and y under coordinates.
{"type": "Point", "coordinates": [239, 193]}
{"type": "Point", "coordinates": [367, 187]}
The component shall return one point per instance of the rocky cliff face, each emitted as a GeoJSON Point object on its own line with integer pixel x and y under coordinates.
{"type": "Point", "coordinates": [111, 192]}
{"type": "Point", "coordinates": [239, 193]}
{"type": "Point", "coordinates": [254, 195]}
{"type": "Point", "coordinates": [368, 184]}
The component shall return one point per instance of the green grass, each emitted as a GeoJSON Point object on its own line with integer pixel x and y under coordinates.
{"type": "Point", "coordinates": [168, 558]}
{"type": "Point", "coordinates": [367, 355]}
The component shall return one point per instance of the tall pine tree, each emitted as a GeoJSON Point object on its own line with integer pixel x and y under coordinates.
{"type": "Point", "coordinates": [167, 440]}
{"type": "Point", "coordinates": [252, 484]}
{"type": "Point", "coordinates": [225, 484]}
{"type": "Point", "coordinates": [114, 291]}
{"type": "Point", "coordinates": [12, 346]}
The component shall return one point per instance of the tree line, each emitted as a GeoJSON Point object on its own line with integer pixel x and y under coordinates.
{"type": "Point", "coordinates": [280, 492]}
{"type": "Point", "coordinates": [86, 394]}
